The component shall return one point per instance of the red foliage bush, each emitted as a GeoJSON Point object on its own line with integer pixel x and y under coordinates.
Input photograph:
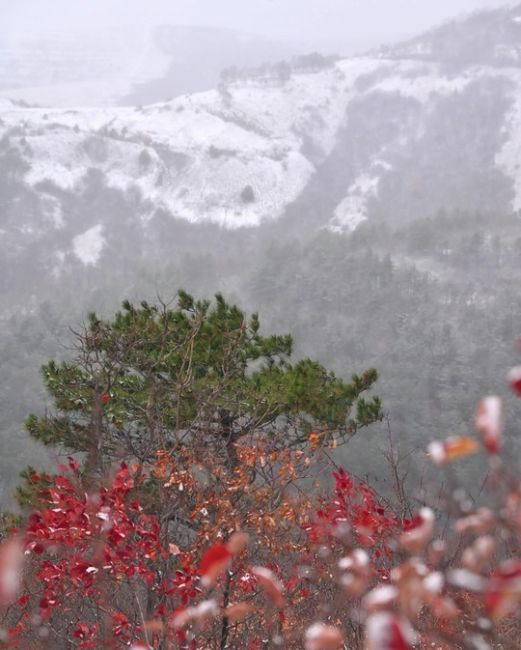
{"type": "Point", "coordinates": [101, 570]}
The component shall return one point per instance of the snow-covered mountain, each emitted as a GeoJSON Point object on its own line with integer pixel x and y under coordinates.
{"type": "Point", "coordinates": [434, 123]}
{"type": "Point", "coordinates": [195, 155]}
{"type": "Point", "coordinates": [242, 189]}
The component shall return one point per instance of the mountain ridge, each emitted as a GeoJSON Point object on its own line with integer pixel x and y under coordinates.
{"type": "Point", "coordinates": [375, 200]}
{"type": "Point", "coordinates": [312, 143]}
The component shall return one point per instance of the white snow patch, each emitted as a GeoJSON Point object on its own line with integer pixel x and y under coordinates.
{"type": "Point", "coordinates": [423, 87]}
{"type": "Point", "coordinates": [88, 246]}
{"type": "Point", "coordinates": [508, 159]}
{"type": "Point", "coordinates": [352, 210]}
{"type": "Point", "coordinates": [508, 53]}
{"type": "Point", "coordinates": [6, 103]}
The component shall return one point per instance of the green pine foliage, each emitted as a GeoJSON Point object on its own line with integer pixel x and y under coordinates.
{"type": "Point", "coordinates": [197, 373]}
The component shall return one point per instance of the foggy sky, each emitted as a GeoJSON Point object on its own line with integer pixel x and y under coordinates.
{"type": "Point", "coordinates": [352, 23]}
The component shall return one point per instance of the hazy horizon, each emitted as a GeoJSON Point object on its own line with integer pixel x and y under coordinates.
{"type": "Point", "coordinates": [331, 24]}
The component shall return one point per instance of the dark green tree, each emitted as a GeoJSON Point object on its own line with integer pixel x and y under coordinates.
{"type": "Point", "coordinates": [199, 374]}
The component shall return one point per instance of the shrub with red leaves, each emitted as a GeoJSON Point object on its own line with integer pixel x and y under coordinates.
{"type": "Point", "coordinates": [97, 570]}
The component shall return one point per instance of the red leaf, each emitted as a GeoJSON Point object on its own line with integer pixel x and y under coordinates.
{"type": "Point", "coordinates": [504, 590]}
{"type": "Point", "coordinates": [386, 631]}
{"type": "Point", "coordinates": [488, 422]}
{"type": "Point", "coordinates": [514, 379]}
{"type": "Point", "coordinates": [23, 600]}
{"type": "Point", "coordinates": [419, 532]}
{"type": "Point", "coordinates": [216, 560]}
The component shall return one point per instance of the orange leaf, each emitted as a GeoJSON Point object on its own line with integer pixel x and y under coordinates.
{"type": "Point", "coordinates": [238, 611]}
{"type": "Point", "coordinates": [270, 583]}
{"type": "Point", "coordinates": [315, 439]}
{"type": "Point", "coordinates": [154, 625]}
{"type": "Point", "coordinates": [174, 549]}
{"type": "Point", "coordinates": [452, 448]}
{"type": "Point", "coordinates": [237, 542]}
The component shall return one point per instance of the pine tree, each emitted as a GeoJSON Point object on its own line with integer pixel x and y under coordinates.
{"type": "Point", "coordinates": [199, 374]}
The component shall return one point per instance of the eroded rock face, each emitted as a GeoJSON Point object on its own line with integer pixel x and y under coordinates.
{"type": "Point", "coordinates": [434, 123]}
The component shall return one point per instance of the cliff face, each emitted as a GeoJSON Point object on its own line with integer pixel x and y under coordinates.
{"type": "Point", "coordinates": [434, 123]}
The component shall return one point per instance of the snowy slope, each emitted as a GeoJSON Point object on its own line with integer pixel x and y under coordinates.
{"type": "Point", "coordinates": [118, 65]}
{"type": "Point", "coordinates": [195, 155]}
{"type": "Point", "coordinates": [402, 133]}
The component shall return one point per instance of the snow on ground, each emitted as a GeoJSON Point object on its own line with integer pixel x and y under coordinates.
{"type": "Point", "coordinates": [307, 105]}
{"type": "Point", "coordinates": [6, 104]}
{"type": "Point", "coordinates": [421, 83]}
{"type": "Point", "coordinates": [195, 154]}
{"type": "Point", "coordinates": [88, 246]}
{"type": "Point", "coordinates": [259, 134]}
{"type": "Point", "coordinates": [352, 210]}
{"type": "Point", "coordinates": [508, 159]}
{"type": "Point", "coordinates": [79, 93]}
{"type": "Point", "coordinates": [215, 194]}
{"type": "Point", "coordinates": [203, 150]}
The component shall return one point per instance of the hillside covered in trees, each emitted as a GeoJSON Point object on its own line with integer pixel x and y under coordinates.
{"type": "Point", "coordinates": [432, 305]}
{"type": "Point", "coordinates": [260, 347]}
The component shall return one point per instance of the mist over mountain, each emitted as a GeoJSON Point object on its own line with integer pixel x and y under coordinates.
{"type": "Point", "coordinates": [369, 205]}
{"type": "Point", "coordinates": [429, 124]}
{"type": "Point", "coordinates": [125, 65]}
